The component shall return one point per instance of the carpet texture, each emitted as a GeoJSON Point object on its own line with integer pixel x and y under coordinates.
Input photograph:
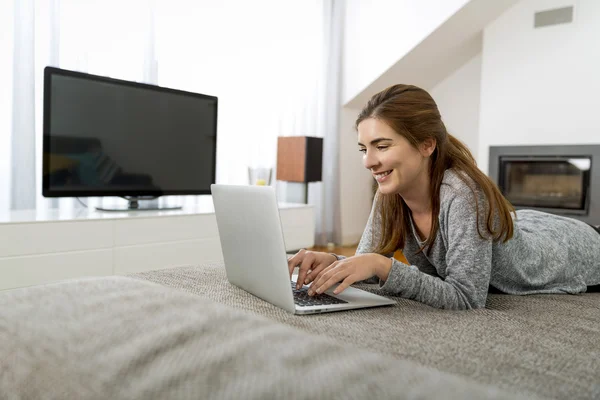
{"type": "Point", "coordinates": [547, 345]}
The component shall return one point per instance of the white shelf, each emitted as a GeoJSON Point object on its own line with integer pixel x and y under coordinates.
{"type": "Point", "coordinates": [204, 206]}
{"type": "Point", "coordinates": [41, 246]}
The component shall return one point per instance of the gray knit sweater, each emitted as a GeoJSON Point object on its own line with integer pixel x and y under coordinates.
{"type": "Point", "coordinates": [547, 254]}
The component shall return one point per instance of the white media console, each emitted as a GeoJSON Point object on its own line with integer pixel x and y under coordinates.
{"type": "Point", "coordinates": [41, 246]}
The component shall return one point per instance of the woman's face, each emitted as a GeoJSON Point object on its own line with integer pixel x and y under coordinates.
{"type": "Point", "coordinates": [396, 165]}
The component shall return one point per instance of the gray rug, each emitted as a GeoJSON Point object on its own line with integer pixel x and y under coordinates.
{"type": "Point", "coordinates": [547, 345]}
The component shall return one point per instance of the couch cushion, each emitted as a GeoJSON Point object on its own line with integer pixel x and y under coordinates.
{"type": "Point", "coordinates": [547, 345]}
{"type": "Point", "coordinates": [122, 338]}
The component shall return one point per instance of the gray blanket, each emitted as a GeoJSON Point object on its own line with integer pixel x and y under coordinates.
{"type": "Point", "coordinates": [123, 338]}
{"type": "Point", "coordinates": [547, 345]}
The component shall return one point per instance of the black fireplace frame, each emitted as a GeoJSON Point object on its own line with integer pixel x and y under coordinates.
{"type": "Point", "coordinates": [591, 214]}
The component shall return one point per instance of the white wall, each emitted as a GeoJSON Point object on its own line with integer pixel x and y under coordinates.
{"type": "Point", "coordinates": [380, 32]}
{"type": "Point", "coordinates": [355, 181]}
{"type": "Point", "coordinates": [457, 98]}
{"type": "Point", "coordinates": [540, 86]}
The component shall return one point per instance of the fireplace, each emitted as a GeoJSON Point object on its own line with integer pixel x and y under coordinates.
{"type": "Point", "coordinates": [563, 180]}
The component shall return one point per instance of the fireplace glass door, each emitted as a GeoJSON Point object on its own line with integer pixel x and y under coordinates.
{"type": "Point", "coordinates": [546, 182]}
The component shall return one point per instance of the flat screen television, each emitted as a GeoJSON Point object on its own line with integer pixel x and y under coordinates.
{"type": "Point", "coordinates": [111, 137]}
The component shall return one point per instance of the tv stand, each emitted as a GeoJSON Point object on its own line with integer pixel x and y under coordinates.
{"type": "Point", "coordinates": [134, 205]}
{"type": "Point", "coordinates": [47, 245]}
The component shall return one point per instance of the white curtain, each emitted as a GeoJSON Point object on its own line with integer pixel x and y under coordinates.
{"type": "Point", "coordinates": [274, 66]}
{"type": "Point", "coordinates": [110, 38]}
{"type": "Point", "coordinates": [6, 84]}
{"type": "Point", "coordinates": [328, 197]}
{"type": "Point", "coordinates": [313, 109]}
{"type": "Point", "coordinates": [23, 117]}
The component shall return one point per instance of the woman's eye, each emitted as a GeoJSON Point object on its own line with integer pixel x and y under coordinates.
{"type": "Point", "coordinates": [381, 147]}
{"type": "Point", "coordinates": [364, 151]}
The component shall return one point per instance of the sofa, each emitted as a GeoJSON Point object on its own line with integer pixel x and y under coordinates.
{"type": "Point", "coordinates": [186, 332]}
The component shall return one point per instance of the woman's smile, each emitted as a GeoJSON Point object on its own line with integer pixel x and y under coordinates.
{"type": "Point", "coordinates": [382, 176]}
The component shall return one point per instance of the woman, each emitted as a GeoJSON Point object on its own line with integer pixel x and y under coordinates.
{"type": "Point", "coordinates": [459, 234]}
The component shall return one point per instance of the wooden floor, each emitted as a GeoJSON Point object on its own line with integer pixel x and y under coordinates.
{"type": "Point", "coordinates": [349, 251]}
{"type": "Point", "coordinates": [339, 250]}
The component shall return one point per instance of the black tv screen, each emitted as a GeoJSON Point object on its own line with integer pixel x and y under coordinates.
{"type": "Point", "coordinates": [110, 137]}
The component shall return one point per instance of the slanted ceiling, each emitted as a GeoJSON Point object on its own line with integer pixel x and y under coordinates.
{"type": "Point", "coordinates": [448, 47]}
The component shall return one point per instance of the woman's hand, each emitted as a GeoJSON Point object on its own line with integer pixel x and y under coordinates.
{"type": "Point", "coordinates": [311, 263]}
{"type": "Point", "coordinates": [351, 270]}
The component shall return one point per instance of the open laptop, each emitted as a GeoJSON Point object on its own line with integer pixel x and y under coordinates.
{"type": "Point", "coordinates": [255, 257]}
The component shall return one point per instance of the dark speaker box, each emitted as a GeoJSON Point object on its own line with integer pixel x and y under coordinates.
{"type": "Point", "coordinates": [299, 158]}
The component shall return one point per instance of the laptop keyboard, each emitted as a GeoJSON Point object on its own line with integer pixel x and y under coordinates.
{"type": "Point", "coordinates": [302, 298]}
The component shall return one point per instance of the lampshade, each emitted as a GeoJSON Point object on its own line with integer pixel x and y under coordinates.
{"type": "Point", "coordinates": [299, 158]}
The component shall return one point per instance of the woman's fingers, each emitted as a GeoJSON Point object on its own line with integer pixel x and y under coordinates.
{"type": "Point", "coordinates": [295, 260]}
{"type": "Point", "coordinates": [306, 265]}
{"type": "Point", "coordinates": [310, 264]}
{"type": "Point", "coordinates": [319, 278]}
{"type": "Point", "coordinates": [322, 262]}
{"type": "Point", "coordinates": [314, 273]}
{"type": "Point", "coordinates": [350, 279]}
{"type": "Point", "coordinates": [331, 276]}
{"type": "Point", "coordinates": [335, 278]}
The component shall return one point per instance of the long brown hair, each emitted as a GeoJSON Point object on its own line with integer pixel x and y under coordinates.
{"type": "Point", "coordinates": [411, 112]}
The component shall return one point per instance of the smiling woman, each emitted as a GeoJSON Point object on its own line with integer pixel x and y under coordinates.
{"type": "Point", "coordinates": [394, 162]}
{"type": "Point", "coordinates": [460, 236]}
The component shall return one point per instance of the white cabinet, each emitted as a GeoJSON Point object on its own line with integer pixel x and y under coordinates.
{"type": "Point", "coordinates": [45, 246]}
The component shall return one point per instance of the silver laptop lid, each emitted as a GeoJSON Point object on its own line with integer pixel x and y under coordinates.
{"type": "Point", "coordinates": [252, 242]}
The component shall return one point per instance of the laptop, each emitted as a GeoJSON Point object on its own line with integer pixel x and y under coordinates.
{"type": "Point", "coordinates": [255, 256]}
